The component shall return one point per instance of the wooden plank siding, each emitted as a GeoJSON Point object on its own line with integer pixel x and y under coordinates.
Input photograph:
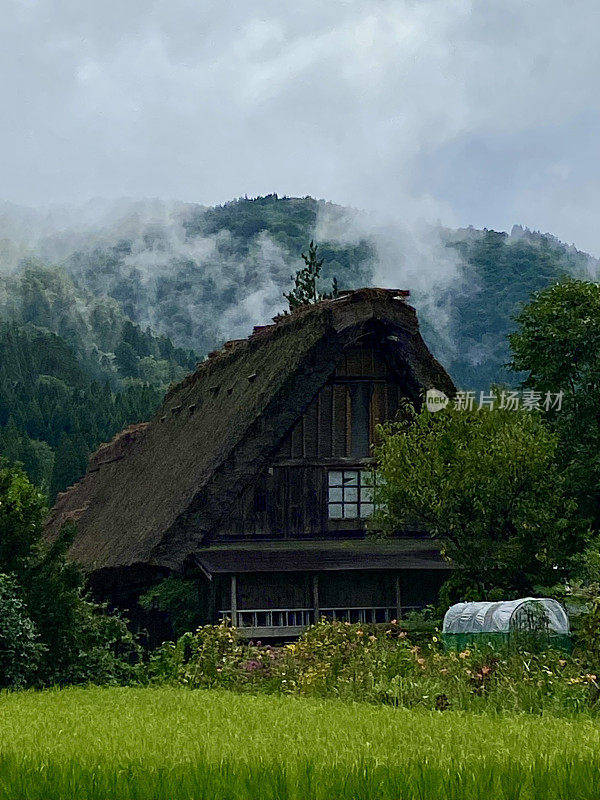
{"type": "Point", "coordinates": [339, 422]}
{"type": "Point", "coordinates": [289, 500]}
{"type": "Point", "coordinates": [325, 422]}
{"type": "Point", "coordinates": [324, 430]}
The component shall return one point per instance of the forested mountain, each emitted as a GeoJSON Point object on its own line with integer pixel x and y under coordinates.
{"type": "Point", "coordinates": [496, 275]}
{"type": "Point", "coordinates": [101, 308]}
{"type": "Point", "coordinates": [73, 371]}
{"type": "Point", "coordinates": [52, 414]}
{"type": "Point", "coordinates": [205, 275]}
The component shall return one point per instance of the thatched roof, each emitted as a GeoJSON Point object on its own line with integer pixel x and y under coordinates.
{"type": "Point", "coordinates": [154, 494]}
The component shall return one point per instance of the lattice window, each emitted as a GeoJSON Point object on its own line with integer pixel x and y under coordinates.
{"type": "Point", "coordinates": [350, 494]}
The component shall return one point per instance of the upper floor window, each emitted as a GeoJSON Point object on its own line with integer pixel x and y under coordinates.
{"type": "Point", "coordinates": [360, 407]}
{"type": "Point", "coordinates": [350, 494]}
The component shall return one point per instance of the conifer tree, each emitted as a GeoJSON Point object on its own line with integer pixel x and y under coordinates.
{"type": "Point", "coordinates": [305, 290]}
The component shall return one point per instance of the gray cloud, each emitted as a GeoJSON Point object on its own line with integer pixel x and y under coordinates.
{"type": "Point", "coordinates": [462, 110]}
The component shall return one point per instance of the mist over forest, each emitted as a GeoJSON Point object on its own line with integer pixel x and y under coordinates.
{"type": "Point", "coordinates": [201, 275]}
{"type": "Point", "coordinates": [129, 295]}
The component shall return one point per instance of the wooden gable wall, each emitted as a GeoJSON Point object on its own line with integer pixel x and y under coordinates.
{"type": "Point", "coordinates": [290, 497]}
{"type": "Point", "coordinates": [324, 431]}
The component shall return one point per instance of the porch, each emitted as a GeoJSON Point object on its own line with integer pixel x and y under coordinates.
{"type": "Point", "coordinates": [282, 605]}
{"type": "Point", "coordinates": [276, 590]}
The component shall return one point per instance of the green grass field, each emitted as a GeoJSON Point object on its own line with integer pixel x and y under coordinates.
{"type": "Point", "coordinates": [151, 744]}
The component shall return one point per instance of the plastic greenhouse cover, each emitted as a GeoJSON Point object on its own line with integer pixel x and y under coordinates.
{"type": "Point", "coordinates": [495, 617]}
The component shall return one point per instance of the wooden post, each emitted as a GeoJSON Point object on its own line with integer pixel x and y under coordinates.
{"type": "Point", "coordinates": [315, 588]}
{"type": "Point", "coordinates": [211, 611]}
{"type": "Point", "coordinates": [201, 596]}
{"type": "Point", "coordinates": [398, 598]}
{"type": "Point", "coordinates": [234, 619]}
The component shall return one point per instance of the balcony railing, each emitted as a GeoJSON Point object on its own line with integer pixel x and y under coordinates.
{"type": "Point", "coordinates": [303, 617]}
{"type": "Point", "coordinates": [271, 618]}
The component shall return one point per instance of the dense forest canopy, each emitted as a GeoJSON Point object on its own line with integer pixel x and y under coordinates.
{"type": "Point", "coordinates": [74, 370]}
{"type": "Point", "coordinates": [498, 274]}
{"type": "Point", "coordinates": [97, 318]}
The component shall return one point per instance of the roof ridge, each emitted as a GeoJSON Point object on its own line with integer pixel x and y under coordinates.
{"type": "Point", "coordinates": [281, 322]}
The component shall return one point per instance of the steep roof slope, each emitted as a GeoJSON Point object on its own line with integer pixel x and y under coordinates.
{"type": "Point", "coordinates": [153, 494]}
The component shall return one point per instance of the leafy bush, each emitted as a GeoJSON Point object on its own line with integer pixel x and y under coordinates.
{"type": "Point", "coordinates": [79, 642]}
{"type": "Point", "coordinates": [210, 658]}
{"type": "Point", "coordinates": [344, 660]}
{"type": "Point", "coordinates": [178, 597]}
{"type": "Point", "coordinates": [102, 650]}
{"type": "Point", "coordinates": [20, 649]}
{"type": "Point", "coordinates": [587, 627]}
{"type": "Point", "coordinates": [378, 664]}
{"type": "Point", "coordinates": [515, 680]}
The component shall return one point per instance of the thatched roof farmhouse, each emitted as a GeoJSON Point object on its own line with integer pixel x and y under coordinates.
{"type": "Point", "coordinates": [252, 476]}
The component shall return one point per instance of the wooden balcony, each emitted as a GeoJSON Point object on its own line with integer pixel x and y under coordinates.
{"type": "Point", "coordinates": [263, 623]}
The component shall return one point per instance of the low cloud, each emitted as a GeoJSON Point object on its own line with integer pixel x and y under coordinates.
{"type": "Point", "coordinates": [449, 109]}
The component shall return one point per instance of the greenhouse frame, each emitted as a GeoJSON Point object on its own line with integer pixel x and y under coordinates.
{"type": "Point", "coordinates": [539, 620]}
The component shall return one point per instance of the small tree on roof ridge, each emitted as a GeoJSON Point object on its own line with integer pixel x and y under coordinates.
{"type": "Point", "coordinates": [305, 281]}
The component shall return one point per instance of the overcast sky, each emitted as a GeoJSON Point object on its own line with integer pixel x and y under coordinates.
{"type": "Point", "coordinates": [482, 112]}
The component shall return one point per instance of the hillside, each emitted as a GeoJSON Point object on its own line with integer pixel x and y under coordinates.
{"type": "Point", "coordinates": [206, 275]}
{"type": "Point", "coordinates": [126, 295]}
{"type": "Point", "coordinates": [202, 275]}
{"type": "Point", "coordinates": [73, 371]}
{"type": "Point", "coordinates": [496, 274]}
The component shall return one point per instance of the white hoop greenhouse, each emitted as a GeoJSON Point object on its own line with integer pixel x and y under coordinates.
{"type": "Point", "coordinates": [496, 621]}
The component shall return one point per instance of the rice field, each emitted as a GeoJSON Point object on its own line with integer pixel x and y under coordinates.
{"type": "Point", "coordinates": [159, 743]}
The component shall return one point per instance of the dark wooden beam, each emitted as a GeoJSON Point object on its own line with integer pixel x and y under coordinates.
{"type": "Point", "coordinates": [234, 601]}
{"type": "Point", "coordinates": [315, 591]}
{"type": "Point", "coordinates": [211, 611]}
{"type": "Point", "coordinates": [347, 463]}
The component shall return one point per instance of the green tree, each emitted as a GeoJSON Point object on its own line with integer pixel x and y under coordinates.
{"type": "Point", "coordinates": [557, 345]}
{"type": "Point", "coordinates": [20, 648]}
{"type": "Point", "coordinates": [178, 597]}
{"type": "Point", "coordinates": [36, 457]}
{"type": "Point", "coordinates": [80, 642]}
{"type": "Point", "coordinates": [305, 290]}
{"type": "Point", "coordinates": [126, 359]}
{"type": "Point", "coordinates": [487, 486]}
{"type": "Point", "coordinates": [69, 463]}
{"type": "Point", "coordinates": [22, 509]}
{"type": "Point", "coordinates": [50, 406]}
